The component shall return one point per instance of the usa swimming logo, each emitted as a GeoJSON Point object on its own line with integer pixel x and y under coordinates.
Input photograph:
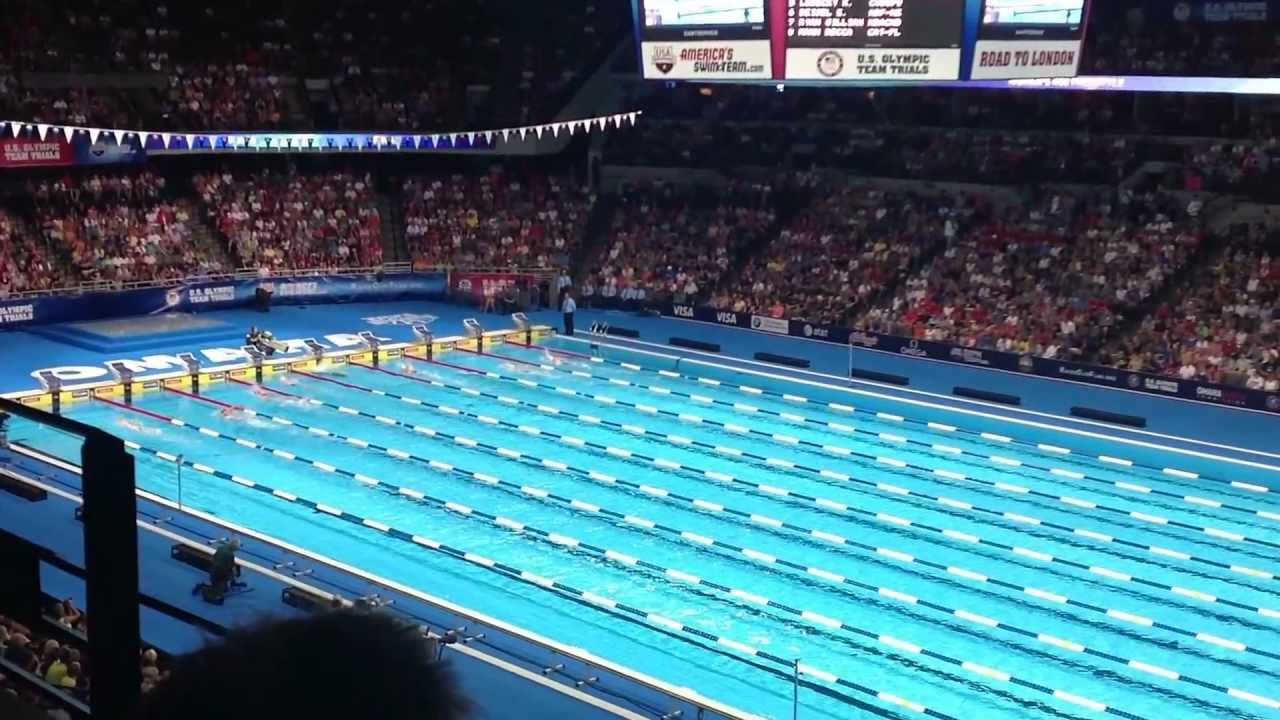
{"type": "Point", "coordinates": [401, 319]}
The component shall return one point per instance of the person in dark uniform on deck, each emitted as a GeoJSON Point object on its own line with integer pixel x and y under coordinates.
{"type": "Point", "coordinates": [568, 307]}
{"type": "Point", "coordinates": [223, 572]}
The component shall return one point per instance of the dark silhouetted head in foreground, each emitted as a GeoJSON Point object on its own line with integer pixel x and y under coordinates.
{"type": "Point", "coordinates": [332, 665]}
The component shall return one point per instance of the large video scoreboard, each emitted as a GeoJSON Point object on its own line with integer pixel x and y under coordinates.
{"type": "Point", "coordinates": [859, 40]}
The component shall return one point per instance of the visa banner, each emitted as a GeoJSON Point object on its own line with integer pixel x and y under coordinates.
{"type": "Point", "coordinates": [1145, 383]}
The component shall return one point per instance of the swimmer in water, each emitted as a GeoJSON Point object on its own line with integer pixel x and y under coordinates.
{"type": "Point", "coordinates": [551, 358]}
{"type": "Point", "coordinates": [260, 391]}
{"type": "Point", "coordinates": [407, 369]}
{"type": "Point", "coordinates": [286, 380]}
{"type": "Point", "coordinates": [230, 412]}
{"type": "Point", "coordinates": [137, 426]}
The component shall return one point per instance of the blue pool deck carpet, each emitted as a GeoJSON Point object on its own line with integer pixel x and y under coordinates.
{"type": "Point", "coordinates": [146, 332]}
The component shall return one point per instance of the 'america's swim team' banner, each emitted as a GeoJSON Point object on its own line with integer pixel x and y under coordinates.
{"type": "Point", "coordinates": [977, 357]}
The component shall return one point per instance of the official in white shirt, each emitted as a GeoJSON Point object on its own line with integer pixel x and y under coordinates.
{"type": "Point", "coordinates": [568, 306]}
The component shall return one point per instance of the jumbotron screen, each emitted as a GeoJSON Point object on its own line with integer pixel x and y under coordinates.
{"type": "Point", "coordinates": [859, 41]}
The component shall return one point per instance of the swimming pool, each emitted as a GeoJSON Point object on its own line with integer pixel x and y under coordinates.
{"type": "Point", "coordinates": [712, 529]}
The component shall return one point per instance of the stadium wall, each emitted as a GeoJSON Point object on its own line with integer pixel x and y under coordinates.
{"type": "Point", "coordinates": [199, 296]}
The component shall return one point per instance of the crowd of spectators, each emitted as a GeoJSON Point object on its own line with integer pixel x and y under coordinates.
{"type": "Point", "coordinates": [216, 97]}
{"type": "Point", "coordinates": [1224, 327]}
{"type": "Point", "coordinates": [76, 105]}
{"type": "Point", "coordinates": [61, 666]}
{"type": "Point", "coordinates": [1053, 277]}
{"type": "Point", "coordinates": [1240, 167]}
{"type": "Point", "coordinates": [26, 261]}
{"type": "Point", "coordinates": [843, 249]}
{"type": "Point", "coordinates": [59, 658]}
{"type": "Point", "coordinates": [295, 220]}
{"type": "Point", "coordinates": [240, 64]}
{"type": "Point", "coordinates": [501, 218]}
{"type": "Point", "coordinates": [675, 241]}
{"type": "Point", "coordinates": [940, 154]}
{"type": "Point", "coordinates": [1222, 39]}
{"type": "Point", "coordinates": [122, 227]}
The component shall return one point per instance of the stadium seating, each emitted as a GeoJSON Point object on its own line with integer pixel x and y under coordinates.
{"type": "Point", "coordinates": [296, 220]}
{"type": "Point", "coordinates": [842, 250]}
{"type": "Point", "coordinates": [241, 64]}
{"type": "Point", "coordinates": [120, 228]}
{"type": "Point", "coordinates": [1056, 278]}
{"type": "Point", "coordinates": [503, 218]}
{"type": "Point", "coordinates": [27, 262]}
{"type": "Point", "coordinates": [1224, 327]}
{"type": "Point", "coordinates": [674, 242]}
{"type": "Point", "coordinates": [1151, 39]}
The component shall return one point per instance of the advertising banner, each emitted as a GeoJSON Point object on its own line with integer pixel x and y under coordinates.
{"type": "Point", "coordinates": [1256, 11]}
{"type": "Point", "coordinates": [771, 324]}
{"type": "Point", "coordinates": [833, 63]}
{"type": "Point", "coordinates": [22, 152]}
{"type": "Point", "coordinates": [991, 359]}
{"type": "Point", "coordinates": [476, 286]}
{"type": "Point", "coordinates": [708, 60]}
{"type": "Point", "coordinates": [127, 152]}
{"type": "Point", "coordinates": [864, 42]}
{"type": "Point", "coordinates": [202, 296]}
{"type": "Point", "coordinates": [55, 151]}
{"type": "Point", "coordinates": [1009, 59]}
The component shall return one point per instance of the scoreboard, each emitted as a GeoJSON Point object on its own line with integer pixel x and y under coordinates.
{"type": "Point", "coordinates": [859, 41]}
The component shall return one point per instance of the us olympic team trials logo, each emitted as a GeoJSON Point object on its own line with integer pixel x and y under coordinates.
{"type": "Point", "coordinates": [1134, 381]}
{"type": "Point", "coordinates": [1026, 364]}
{"type": "Point", "coordinates": [830, 63]}
{"type": "Point", "coordinates": [1273, 402]}
{"type": "Point", "coordinates": [173, 297]}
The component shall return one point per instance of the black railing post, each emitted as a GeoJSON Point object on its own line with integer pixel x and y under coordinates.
{"type": "Point", "coordinates": [111, 574]}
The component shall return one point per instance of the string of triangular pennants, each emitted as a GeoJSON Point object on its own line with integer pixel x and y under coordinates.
{"type": "Point", "coordinates": [366, 141]}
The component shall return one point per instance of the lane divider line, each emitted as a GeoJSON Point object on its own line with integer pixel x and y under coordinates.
{"type": "Point", "coordinates": [767, 521]}
{"type": "Point", "coordinates": [737, 550]}
{"type": "Point", "coordinates": [840, 407]}
{"type": "Point", "coordinates": [1247, 571]}
{"type": "Point", "coordinates": [822, 504]}
{"type": "Point", "coordinates": [601, 602]}
{"type": "Point", "coordinates": [894, 438]}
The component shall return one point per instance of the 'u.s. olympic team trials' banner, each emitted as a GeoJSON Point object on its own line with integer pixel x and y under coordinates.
{"type": "Point", "coordinates": [197, 296]}
{"type": "Point", "coordinates": [54, 150]}
{"type": "Point", "coordinates": [976, 357]}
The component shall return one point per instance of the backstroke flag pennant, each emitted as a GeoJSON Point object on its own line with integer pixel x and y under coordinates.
{"type": "Point", "coordinates": [231, 141]}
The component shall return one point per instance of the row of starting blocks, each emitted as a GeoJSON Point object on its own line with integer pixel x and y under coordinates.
{"type": "Point", "coordinates": [125, 376]}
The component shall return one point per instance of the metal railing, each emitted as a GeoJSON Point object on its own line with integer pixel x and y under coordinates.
{"type": "Point", "coordinates": [110, 559]}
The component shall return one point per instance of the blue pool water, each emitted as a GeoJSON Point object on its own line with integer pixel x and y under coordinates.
{"type": "Point", "coordinates": [1010, 575]}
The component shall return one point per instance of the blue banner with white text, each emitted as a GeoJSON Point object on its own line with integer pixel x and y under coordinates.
{"type": "Point", "coordinates": [993, 359]}
{"type": "Point", "coordinates": [200, 296]}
